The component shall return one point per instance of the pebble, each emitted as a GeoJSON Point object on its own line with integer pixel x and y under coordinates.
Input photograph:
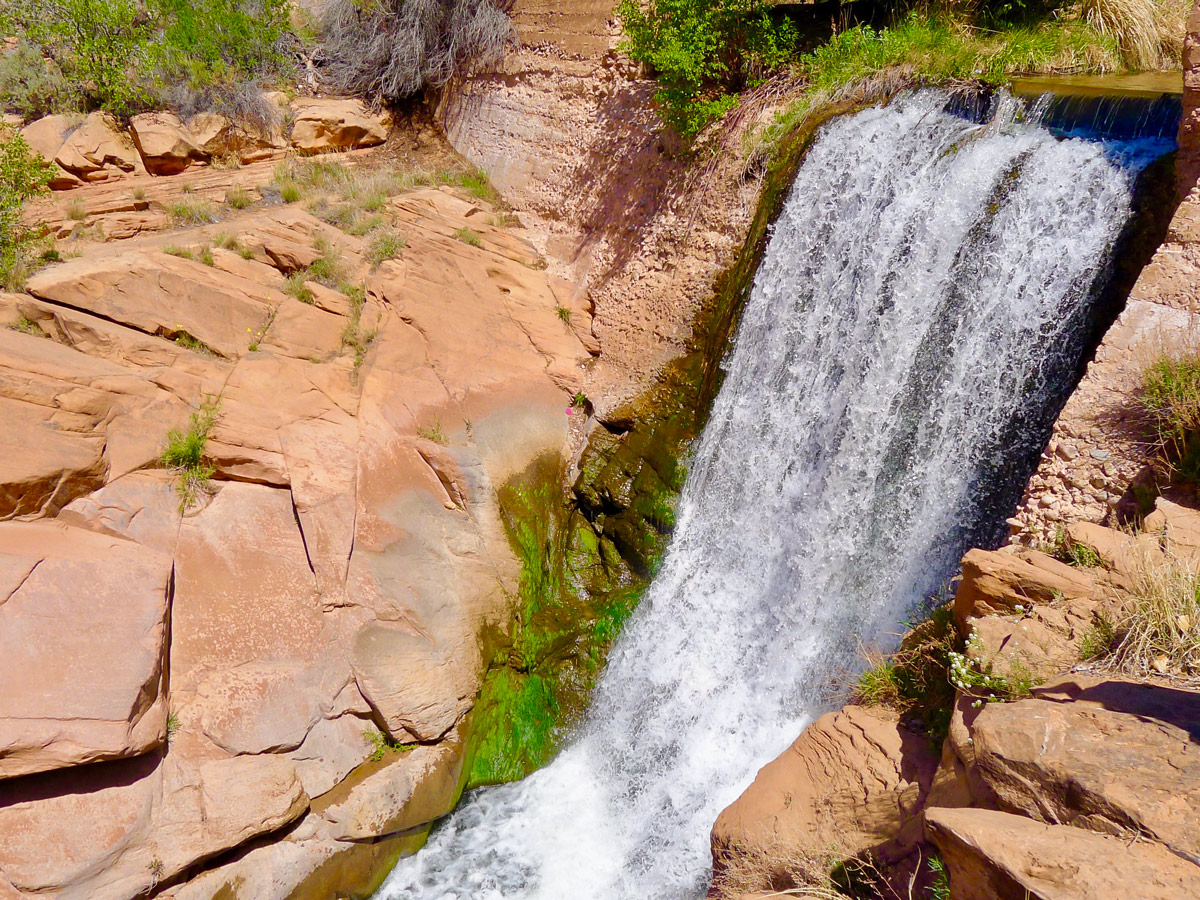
{"type": "Point", "coordinates": [1100, 455]}
{"type": "Point", "coordinates": [1068, 451]}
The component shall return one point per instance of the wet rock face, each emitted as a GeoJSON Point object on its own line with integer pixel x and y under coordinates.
{"type": "Point", "coordinates": [322, 601]}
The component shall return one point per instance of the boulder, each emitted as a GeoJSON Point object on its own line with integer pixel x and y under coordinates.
{"type": "Point", "coordinates": [321, 126]}
{"type": "Point", "coordinates": [998, 856]}
{"type": "Point", "coordinates": [1109, 755]}
{"type": "Point", "coordinates": [164, 142]}
{"type": "Point", "coordinates": [82, 647]}
{"type": "Point", "coordinates": [412, 789]}
{"type": "Point", "coordinates": [998, 581]}
{"type": "Point", "coordinates": [46, 136]}
{"type": "Point", "coordinates": [99, 150]}
{"type": "Point", "coordinates": [855, 781]}
{"type": "Point", "coordinates": [419, 689]}
{"type": "Point", "coordinates": [114, 831]}
{"type": "Point", "coordinates": [1178, 526]}
{"type": "Point", "coordinates": [219, 137]}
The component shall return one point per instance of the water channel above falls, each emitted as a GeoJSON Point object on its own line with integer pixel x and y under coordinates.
{"type": "Point", "coordinates": [919, 315]}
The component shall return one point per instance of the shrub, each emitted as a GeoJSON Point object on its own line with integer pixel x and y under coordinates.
{"type": "Point", "coordinates": [1171, 397]}
{"type": "Point", "coordinates": [389, 49]}
{"type": "Point", "coordinates": [129, 55]}
{"type": "Point", "coordinates": [96, 45]}
{"type": "Point", "coordinates": [238, 198]}
{"type": "Point", "coordinates": [31, 88]}
{"type": "Point", "coordinates": [22, 176]}
{"type": "Point", "coordinates": [703, 51]}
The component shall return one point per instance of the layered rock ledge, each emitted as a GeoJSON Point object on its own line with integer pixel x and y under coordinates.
{"type": "Point", "coordinates": [234, 672]}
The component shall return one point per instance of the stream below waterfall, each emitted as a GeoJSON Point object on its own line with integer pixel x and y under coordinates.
{"type": "Point", "coordinates": [919, 315]}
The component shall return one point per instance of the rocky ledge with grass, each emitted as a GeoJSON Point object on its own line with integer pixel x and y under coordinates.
{"type": "Point", "coordinates": [251, 544]}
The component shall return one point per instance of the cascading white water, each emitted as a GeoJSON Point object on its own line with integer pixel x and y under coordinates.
{"type": "Point", "coordinates": [920, 309]}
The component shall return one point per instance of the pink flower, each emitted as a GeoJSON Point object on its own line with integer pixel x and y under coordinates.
{"type": "Point", "coordinates": [570, 411]}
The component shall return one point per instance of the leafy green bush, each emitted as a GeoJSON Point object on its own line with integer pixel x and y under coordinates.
{"type": "Point", "coordinates": [22, 176]}
{"type": "Point", "coordinates": [703, 51]}
{"type": "Point", "coordinates": [129, 55]}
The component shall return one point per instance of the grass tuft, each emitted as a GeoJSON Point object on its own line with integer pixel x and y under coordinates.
{"type": "Point", "coordinates": [467, 236]}
{"type": "Point", "coordinates": [384, 744]}
{"type": "Point", "coordinates": [28, 326]}
{"type": "Point", "coordinates": [1171, 397]}
{"type": "Point", "coordinates": [238, 198]}
{"type": "Point", "coordinates": [184, 452]}
{"type": "Point", "coordinates": [384, 244]}
{"type": "Point", "coordinates": [1158, 628]}
{"type": "Point", "coordinates": [192, 212]}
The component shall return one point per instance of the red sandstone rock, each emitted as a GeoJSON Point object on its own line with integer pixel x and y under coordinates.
{"type": "Point", "coordinates": [997, 856]}
{"type": "Point", "coordinates": [82, 647]}
{"type": "Point", "coordinates": [164, 143]}
{"type": "Point", "coordinates": [854, 782]}
{"type": "Point", "coordinates": [324, 125]}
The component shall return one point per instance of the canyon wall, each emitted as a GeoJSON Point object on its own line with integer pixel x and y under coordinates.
{"type": "Point", "coordinates": [568, 132]}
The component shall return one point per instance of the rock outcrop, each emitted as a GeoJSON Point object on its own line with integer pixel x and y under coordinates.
{"type": "Point", "coordinates": [222, 660]}
{"type": "Point", "coordinates": [1086, 787]}
{"type": "Point", "coordinates": [99, 149]}
{"type": "Point", "coordinates": [853, 783]}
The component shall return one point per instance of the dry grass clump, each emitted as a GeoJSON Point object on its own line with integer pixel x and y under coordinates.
{"type": "Point", "coordinates": [1149, 33]}
{"type": "Point", "coordinates": [1171, 397]}
{"type": "Point", "coordinates": [777, 868]}
{"type": "Point", "coordinates": [389, 49]}
{"type": "Point", "coordinates": [1157, 630]}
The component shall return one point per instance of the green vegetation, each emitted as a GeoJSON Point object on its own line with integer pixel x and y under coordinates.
{"type": "Point", "coordinates": [467, 236]}
{"type": "Point", "coordinates": [192, 212]}
{"type": "Point", "coordinates": [184, 453]}
{"type": "Point", "coordinates": [384, 744]}
{"type": "Point", "coordinates": [354, 336]}
{"type": "Point", "coordinates": [29, 327]}
{"type": "Point", "coordinates": [295, 287]}
{"type": "Point", "coordinates": [238, 198]}
{"type": "Point", "coordinates": [21, 177]}
{"type": "Point", "coordinates": [1073, 553]}
{"type": "Point", "coordinates": [1171, 397]}
{"type": "Point", "coordinates": [384, 244]}
{"type": "Point", "coordinates": [185, 340]}
{"type": "Point", "coordinates": [172, 724]}
{"type": "Point", "coordinates": [540, 679]}
{"type": "Point", "coordinates": [181, 252]}
{"type": "Point", "coordinates": [564, 314]}
{"type": "Point", "coordinates": [977, 679]}
{"type": "Point", "coordinates": [918, 679]}
{"type": "Point", "coordinates": [939, 887]}
{"type": "Point", "coordinates": [1098, 641]}
{"type": "Point", "coordinates": [434, 433]}
{"type": "Point", "coordinates": [126, 56]}
{"type": "Point", "coordinates": [703, 52]}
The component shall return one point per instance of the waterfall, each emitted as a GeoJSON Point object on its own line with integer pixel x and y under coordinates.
{"type": "Point", "coordinates": [919, 315]}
